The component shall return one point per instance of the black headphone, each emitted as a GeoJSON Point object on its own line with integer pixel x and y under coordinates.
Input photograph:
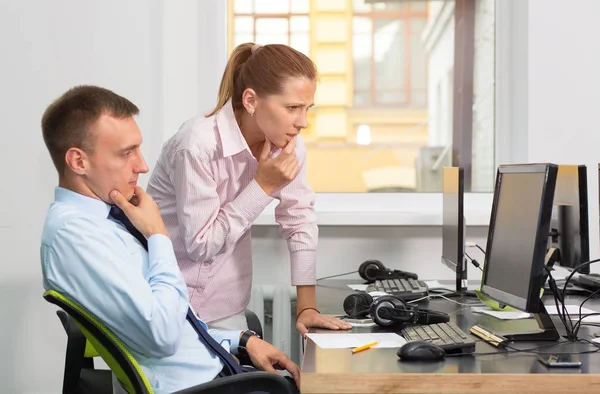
{"type": "Point", "coordinates": [389, 310]}
{"type": "Point", "coordinates": [372, 270]}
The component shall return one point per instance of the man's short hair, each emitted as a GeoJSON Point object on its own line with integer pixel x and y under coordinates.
{"type": "Point", "coordinates": [67, 121]}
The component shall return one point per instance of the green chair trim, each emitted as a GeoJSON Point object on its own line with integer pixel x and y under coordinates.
{"type": "Point", "coordinates": [114, 353]}
{"type": "Point", "coordinates": [90, 350]}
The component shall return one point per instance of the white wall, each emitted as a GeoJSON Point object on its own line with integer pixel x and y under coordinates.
{"type": "Point", "coordinates": [146, 50]}
{"type": "Point", "coordinates": [564, 90]}
{"type": "Point", "coordinates": [164, 56]}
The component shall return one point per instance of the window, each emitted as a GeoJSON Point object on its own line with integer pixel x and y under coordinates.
{"type": "Point", "coordinates": [272, 22]}
{"type": "Point", "coordinates": [389, 60]}
{"type": "Point", "coordinates": [404, 89]}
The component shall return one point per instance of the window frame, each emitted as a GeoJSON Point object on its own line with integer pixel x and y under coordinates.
{"type": "Point", "coordinates": [510, 139]}
{"type": "Point", "coordinates": [374, 16]}
{"type": "Point", "coordinates": [256, 16]}
{"type": "Point", "coordinates": [361, 209]}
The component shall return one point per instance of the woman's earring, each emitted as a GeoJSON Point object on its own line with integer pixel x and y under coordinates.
{"type": "Point", "coordinates": [252, 113]}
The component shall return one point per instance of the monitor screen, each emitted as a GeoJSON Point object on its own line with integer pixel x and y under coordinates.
{"type": "Point", "coordinates": [518, 234]}
{"type": "Point", "coordinates": [453, 236]}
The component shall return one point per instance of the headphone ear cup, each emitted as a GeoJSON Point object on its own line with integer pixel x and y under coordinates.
{"type": "Point", "coordinates": [357, 305]}
{"type": "Point", "coordinates": [391, 302]}
{"type": "Point", "coordinates": [366, 269]}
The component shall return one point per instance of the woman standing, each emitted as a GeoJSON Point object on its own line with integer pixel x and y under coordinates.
{"type": "Point", "coordinates": [218, 173]}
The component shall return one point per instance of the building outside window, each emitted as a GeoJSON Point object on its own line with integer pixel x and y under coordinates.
{"type": "Point", "coordinates": [404, 89]}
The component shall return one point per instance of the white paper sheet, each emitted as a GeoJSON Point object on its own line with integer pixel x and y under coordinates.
{"type": "Point", "coordinates": [358, 287]}
{"type": "Point", "coordinates": [573, 311]}
{"type": "Point", "coordinates": [502, 315]}
{"type": "Point", "coordinates": [340, 341]}
{"type": "Point", "coordinates": [434, 284]}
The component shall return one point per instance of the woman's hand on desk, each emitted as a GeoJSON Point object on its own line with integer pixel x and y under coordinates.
{"type": "Point", "coordinates": [311, 318]}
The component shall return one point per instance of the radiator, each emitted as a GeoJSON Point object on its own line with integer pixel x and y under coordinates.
{"type": "Point", "coordinates": [284, 334]}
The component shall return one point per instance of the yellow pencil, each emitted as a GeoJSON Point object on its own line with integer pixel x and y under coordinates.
{"type": "Point", "coordinates": [364, 347]}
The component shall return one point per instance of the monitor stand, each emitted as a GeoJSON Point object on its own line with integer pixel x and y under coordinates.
{"type": "Point", "coordinates": [461, 269]}
{"type": "Point", "coordinates": [547, 331]}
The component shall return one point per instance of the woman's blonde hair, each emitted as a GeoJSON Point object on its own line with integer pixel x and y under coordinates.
{"type": "Point", "coordinates": [263, 69]}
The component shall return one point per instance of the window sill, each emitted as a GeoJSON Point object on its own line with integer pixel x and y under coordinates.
{"type": "Point", "coordinates": [387, 209]}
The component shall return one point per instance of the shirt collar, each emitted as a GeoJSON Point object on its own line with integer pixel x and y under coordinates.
{"type": "Point", "coordinates": [232, 140]}
{"type": "Point", "coordinates": [87, 204]}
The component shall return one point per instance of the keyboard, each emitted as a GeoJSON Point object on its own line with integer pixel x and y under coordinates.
{"type": "Point", "coordinates": [587, 281]}
{"type": "Point", "coordinates": [405, 289]}
{"type": "Point", "coordinates": [446, 335]}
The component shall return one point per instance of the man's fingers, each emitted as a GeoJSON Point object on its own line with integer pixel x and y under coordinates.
{"type": "Point", "coordinates": [267, 367]}
{"type": "Point", "coordinates": [139, 192]}
{"type": "Point", "coordinates": [292, 368]}
{"type": "Point", "coordinates": [138, 196]}
{"type": "Point", "coordinates": [119, 200]}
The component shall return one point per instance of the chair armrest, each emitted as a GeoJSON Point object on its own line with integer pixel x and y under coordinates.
{"type": "Point", "coordinates": [244, 383]}
{"type": "Point", "coordinates": [254, 325]}
{"type": "Point", "coordinates": [254, 322]}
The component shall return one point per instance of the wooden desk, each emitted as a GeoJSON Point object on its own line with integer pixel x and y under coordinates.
{"type": "Point", "coordinates": [380, 371]}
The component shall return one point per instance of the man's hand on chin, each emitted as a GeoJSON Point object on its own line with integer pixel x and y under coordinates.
{"type": "Point", "coordinates": [268, 358]}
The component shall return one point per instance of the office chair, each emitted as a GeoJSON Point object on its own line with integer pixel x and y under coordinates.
{"type": "Point", "coordinates": [129, 372]}
{"type": "Point", "coordinates": [80, 376]}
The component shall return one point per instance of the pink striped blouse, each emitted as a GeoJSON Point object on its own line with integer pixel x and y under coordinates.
{"type": "Point", "coordinates": [204, 186]}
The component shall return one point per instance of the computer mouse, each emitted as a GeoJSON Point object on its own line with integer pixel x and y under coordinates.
{"type": "Point", "coordinates": [420, 351]}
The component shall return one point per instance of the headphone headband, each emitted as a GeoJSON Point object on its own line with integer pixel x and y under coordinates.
{"type": "Point", "coordinates": [390, 310]}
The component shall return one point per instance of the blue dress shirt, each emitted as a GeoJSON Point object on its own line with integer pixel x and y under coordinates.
{"type": "Point", "coordinates": [140, 295]}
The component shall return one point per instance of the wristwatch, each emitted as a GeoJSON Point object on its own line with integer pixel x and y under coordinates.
{"type": "Point", "coordinates": [244, 340]}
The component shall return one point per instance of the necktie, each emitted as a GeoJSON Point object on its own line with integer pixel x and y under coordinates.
{"type": "Point", "coordinates": [231, 366]}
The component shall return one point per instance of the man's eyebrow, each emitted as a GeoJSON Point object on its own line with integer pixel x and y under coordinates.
{"type": "Point", "coordinates": [130, 147]}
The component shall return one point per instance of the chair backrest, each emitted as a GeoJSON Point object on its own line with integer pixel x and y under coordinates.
{"type": "Point", "coordinates": [110, 348]}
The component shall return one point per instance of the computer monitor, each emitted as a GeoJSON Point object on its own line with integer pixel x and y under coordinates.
{"type": "Point", "coordinates": [569, 226]}
{"type": "Point", "coordinates": [453, 225]}
{"type": "Point", "coordinates": [517, 242]}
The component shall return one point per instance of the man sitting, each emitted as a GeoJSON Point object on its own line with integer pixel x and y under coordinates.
{"type": "Point", "coordinates": [105, 246]}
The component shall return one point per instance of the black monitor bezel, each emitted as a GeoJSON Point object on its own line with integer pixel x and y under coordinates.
{"type": "Point", "coordinates": [582, 207]}
{"type": "Point", "coordinates": [455, 263]}
{"type": "Point", "coordinates": [537, 276]}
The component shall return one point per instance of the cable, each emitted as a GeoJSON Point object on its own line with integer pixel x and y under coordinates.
{"type": "Point", "coordinates": [460, 303]}
{"type": "Point", "coordinates": [579, 322]}
{"type": "Point", "coordinates": [430, 296]}
{"type": "Point", "coordinates": [534, 350]}
{"type": "Point", "coordinates": [335, 276]}
{"type": "Point", "coordinates": [473, 261]}
{"type": "Point", "coordinates": [575, 331]}
{"type": "Point", "coordinates": [562, 312]}
{"type": "Point", "coordinates": [480, 248]}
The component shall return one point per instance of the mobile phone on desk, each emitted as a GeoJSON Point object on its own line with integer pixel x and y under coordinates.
{"type": "Point", "coordinates": [559, 361]}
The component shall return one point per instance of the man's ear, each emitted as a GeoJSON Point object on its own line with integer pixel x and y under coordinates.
{"type": "Point", "coordinates": [77, 161]}
{"type": "Point", "coordinates": [249, 98]}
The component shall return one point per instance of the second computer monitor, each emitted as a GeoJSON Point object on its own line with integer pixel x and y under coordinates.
{"type": "Point", "coordinates": [453, 225]}
{"type": "Point", "coordinates": [518, 235]}
{"type": "Point", "coordinates": [569, 227]}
